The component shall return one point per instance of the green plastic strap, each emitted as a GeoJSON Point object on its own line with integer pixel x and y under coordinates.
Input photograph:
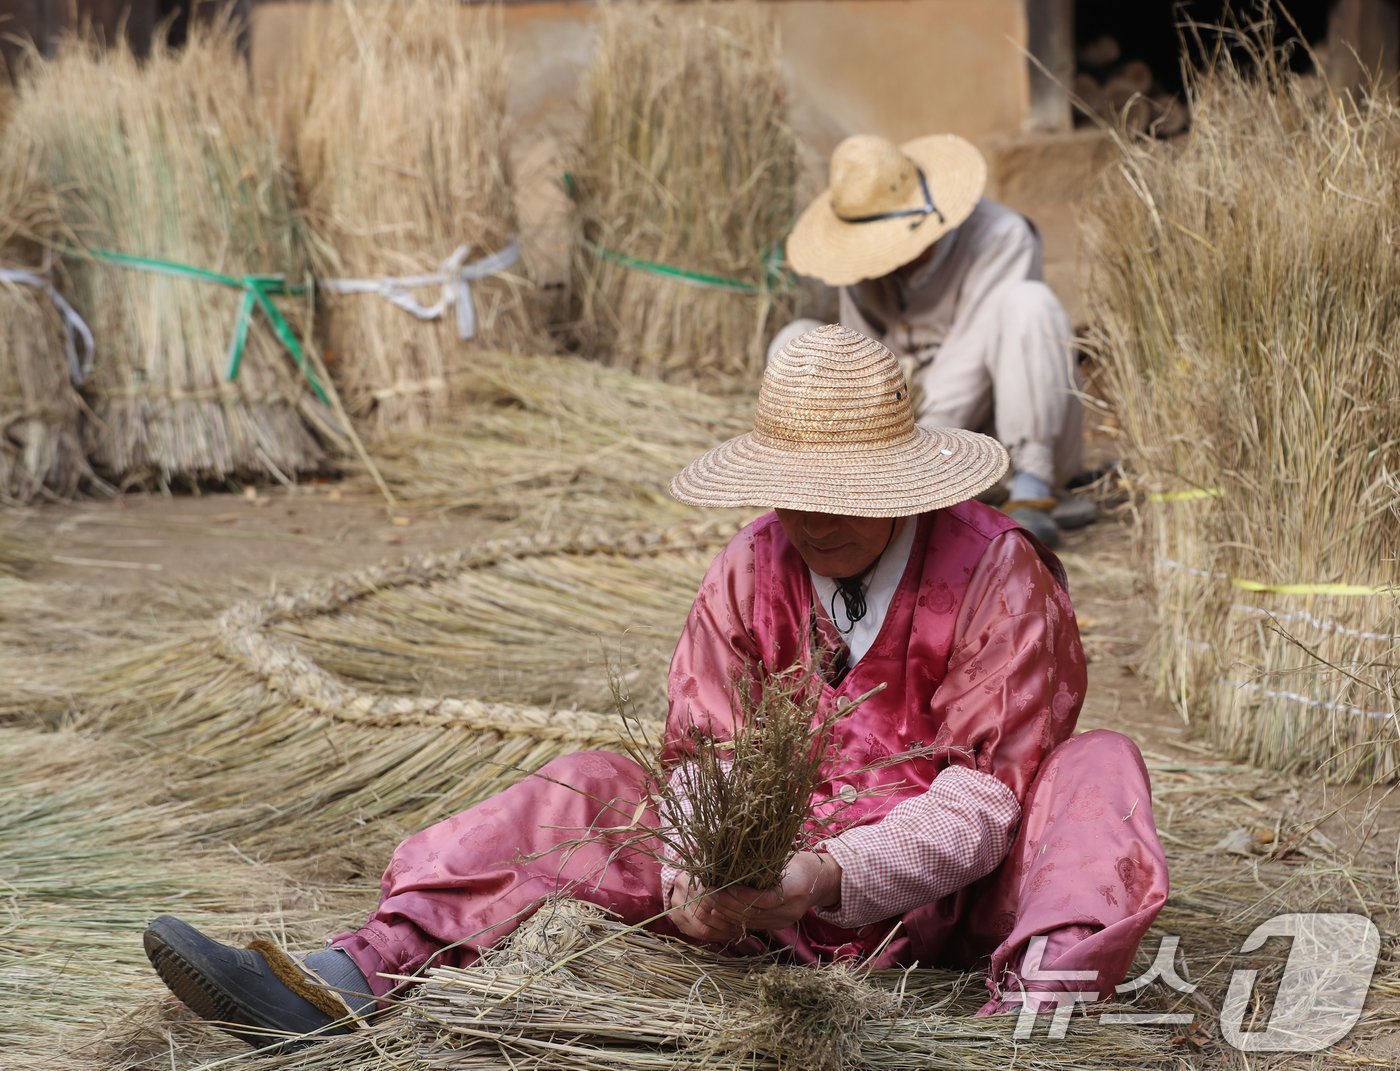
{"type": "Point", "coordinates": [772, 264]}
{"type": "Point", "coordinates": [683, 275]}
{"type": "Point", "coordinates": [258, 291]}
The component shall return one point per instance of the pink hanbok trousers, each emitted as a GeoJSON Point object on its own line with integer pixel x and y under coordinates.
{"type": "Point", "coordinates": [1085, 867]}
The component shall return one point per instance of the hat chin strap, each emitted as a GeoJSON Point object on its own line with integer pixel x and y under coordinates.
{"type": "Point", "coordinates": [929, 208]}
{"type": "Point", "coordinates": [852, 588]}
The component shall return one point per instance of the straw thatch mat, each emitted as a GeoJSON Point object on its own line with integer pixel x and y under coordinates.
{"type": "Point", "coordinates": [556, 442]}
{"type": "Point", "coordinates": [684, 190]}
{"type": "Point", "coordinates": [169, 160]}
{"type": "Point", "coordinates": [41, 449]}
{"type": "Point", "coordinates": [340, 701]}
{"type": "Point", "coordinates": [90, 851]}
{"type": "Point", "coordinates": [395, 121]}
{"type": "Point", "coordinates": [1243, 288]}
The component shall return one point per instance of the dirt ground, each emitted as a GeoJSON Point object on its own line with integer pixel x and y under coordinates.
{"type": "Point", "coordinates": [166, 561]}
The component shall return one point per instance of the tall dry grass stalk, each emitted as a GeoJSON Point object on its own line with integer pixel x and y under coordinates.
{"type": "Point", "coordinates": [1243, 285]}
{"type": "Point", "coordinates": [169, 158]}
{"type": "Point", "coordinates": [395, 118]}
{"type": "Point", "coordinates": [41, 414]}
{"type": "Point", "coordinates": [686, 160]}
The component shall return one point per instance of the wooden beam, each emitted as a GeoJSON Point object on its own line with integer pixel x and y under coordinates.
{"type": "Point", "coordinates": [1050, 40]}
{"type": "Point", "coordinates": [1363, 37]}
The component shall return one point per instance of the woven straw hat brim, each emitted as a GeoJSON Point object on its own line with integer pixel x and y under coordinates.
{"type": "Point", "coordinates": [933, 469]}
{"type": "Point", "coordinates": [839, 254]}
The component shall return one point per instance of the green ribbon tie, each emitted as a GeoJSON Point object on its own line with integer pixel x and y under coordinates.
{"type": "Point", "coordinates": [258, 292]}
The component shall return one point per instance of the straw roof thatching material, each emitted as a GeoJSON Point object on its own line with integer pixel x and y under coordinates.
{"type": "Point", "coordinates": [686, 170]}
{"type": "Point", "coordinates": [395, 120]}
{"type": "Point", "coordinates": [168, 160]}
{"type": "Point", "coordinates": [41, 449]}
{"type": "Point", "coordinates": [1244, 287]}
{"type": "Point", "coordinates": [578, 991]}
{"type": "Point", "coordinates": [557, 442]}
{"type": "Point", "coordinates": [342, 698]}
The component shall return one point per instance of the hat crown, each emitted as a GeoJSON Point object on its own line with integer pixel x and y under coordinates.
{"type": "Point", "coordinates": [869, 175]}
{"type": "Point", "coordinates": [833, 386]}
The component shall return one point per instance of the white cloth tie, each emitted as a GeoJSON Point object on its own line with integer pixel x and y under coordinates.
{"type": "Point", "coordinates": [455, 277]}
{"type": "Point", "coordinates": [75, 330]}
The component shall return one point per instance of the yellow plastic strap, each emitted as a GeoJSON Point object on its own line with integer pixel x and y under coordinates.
{"type": "Point", "coordinates": [1316, 589]}
{"type": "Point", "coordinates": [1193, 495]}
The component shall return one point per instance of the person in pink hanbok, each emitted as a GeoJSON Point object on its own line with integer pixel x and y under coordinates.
{"type": "Point", "coordinates": [995, 829]}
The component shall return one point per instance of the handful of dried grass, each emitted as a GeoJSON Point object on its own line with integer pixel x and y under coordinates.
{"type": "Point", "coordinates": [735, 811]}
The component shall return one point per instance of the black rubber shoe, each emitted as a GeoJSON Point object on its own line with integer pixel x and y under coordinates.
{"type": "Point", "coordinates": [238, 989]}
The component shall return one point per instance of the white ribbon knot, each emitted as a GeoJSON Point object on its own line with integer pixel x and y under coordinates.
{"type": "Point", "coordinates": [455, 277]}
{"type": "Point", "coordinates": [74, 329]}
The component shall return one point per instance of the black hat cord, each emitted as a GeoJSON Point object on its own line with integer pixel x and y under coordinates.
{"type": "Point", "coordinates": [852, 589]}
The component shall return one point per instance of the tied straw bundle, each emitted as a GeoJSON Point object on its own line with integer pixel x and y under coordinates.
{"type": "Point", "coordinates": [684, 190]}
{"type": "Point", "coordinates": [41, 414]}
{"type": "Point", "coordinates": [1243, 286]}
{"type": "Point", "coordinates": [395, 117]}
{"type": "Point", "coordinates": [179, 227]}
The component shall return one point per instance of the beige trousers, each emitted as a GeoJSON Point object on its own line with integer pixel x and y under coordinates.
{"type": "Point", "coordinates": [1007, 372]}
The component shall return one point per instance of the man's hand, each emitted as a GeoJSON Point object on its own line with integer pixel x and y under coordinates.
{"type": "Point", "coordinates": [812, 879]}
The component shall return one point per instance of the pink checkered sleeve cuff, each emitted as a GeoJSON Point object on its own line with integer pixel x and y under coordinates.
{"type": "Point", "coordinates": [957, 831]}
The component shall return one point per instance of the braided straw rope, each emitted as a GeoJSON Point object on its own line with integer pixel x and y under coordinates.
{"type": "Point", "coordinates": [244, 636]}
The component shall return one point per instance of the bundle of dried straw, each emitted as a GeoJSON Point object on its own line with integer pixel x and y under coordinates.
{"type": "Point", "coordinates": [169, 162]}
{"type": "Point", "coordinates": [395, 119]}
{"type": "Point", "coordinates": [1243, 285]}
{"type": "Point", "coordinates": [684, 188]}
{"type": "Point", "coordinates": [41, 414]}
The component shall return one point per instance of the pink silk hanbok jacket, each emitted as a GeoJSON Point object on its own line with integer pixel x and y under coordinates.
{"type": "Point", "coordinates": [979, 654]}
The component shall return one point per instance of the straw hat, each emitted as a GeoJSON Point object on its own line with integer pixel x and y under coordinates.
{"type": "Point", "coordinates": [834, 432]}
{"type": "Point", "coordinates": [885, 205]}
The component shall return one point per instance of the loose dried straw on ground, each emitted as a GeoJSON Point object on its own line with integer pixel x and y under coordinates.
{"type": "Point", "coordinates": [41, 414]}
{"type": "Point", "coordinates": [557, 442]}
{"type": "Point", "coordinates": [606, 997]}
{"type": "Point", "coordinates": [686, 161]}
{"type": "Point", "coordinates": [239, 716]}
{"type": "Point", "coordinates": [395, 120]}
{"type": "Point", "coordinates": [1242, 285]}
{"type": "Point", "coordinates": [90, 852]}
{"type": "Point", "coordinates": [170, 159]}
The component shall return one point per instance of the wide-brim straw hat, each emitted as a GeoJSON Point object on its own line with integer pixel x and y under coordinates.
{"type": "Point", "coordinates": [885, 205]}
{"type": "Point", "coordinates": [834, 432]}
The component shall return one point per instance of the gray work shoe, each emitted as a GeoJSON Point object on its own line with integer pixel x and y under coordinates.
{"type": "Point", "coordinates": [1074, 511]}
{"type": "Point", "coordinates": [259, 994]}
{"type": "Point", "coordinates": [1038, 522]}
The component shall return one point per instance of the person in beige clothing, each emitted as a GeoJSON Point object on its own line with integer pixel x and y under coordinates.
{"type": "Point", "coordinates": [952, 283]}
